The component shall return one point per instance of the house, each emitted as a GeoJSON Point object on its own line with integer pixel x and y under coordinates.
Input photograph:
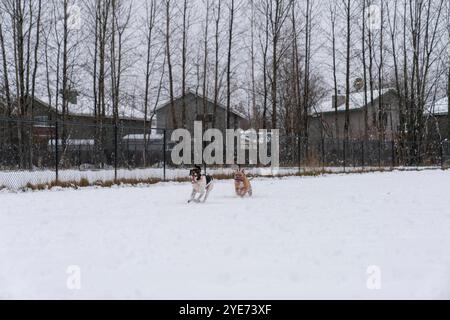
{"type": "Point", "coordinates": [323, 118]}
{"type": "Point", "coordinates": [195, 106]}
{"type": "Point", "coordinates": [79, 132]}
{"type": "Point", "coordinates": [437, 122]}
{"type": "Point", "coordinates": [80, 121]}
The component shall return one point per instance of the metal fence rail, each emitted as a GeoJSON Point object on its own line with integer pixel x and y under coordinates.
{"type": "Point", "coordinates": [36, 152]}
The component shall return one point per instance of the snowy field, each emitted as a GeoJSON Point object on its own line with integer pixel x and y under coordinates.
{"type": "Point", "coordinates": [297, 238]}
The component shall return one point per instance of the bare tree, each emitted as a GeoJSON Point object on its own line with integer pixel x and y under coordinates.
{"type": "Point", "coordinates": [150, 24]}
{"type": "Point", "coordinates": [307, 69]}
{"type": "Point", "coordinates": [6, 84]}
{"type": "Point", "coordinates": [364, 61]}
{"type": "Point", "coordinates": [230, 42]}
{"type": "Point", "coordinates": [217, 8]}
{"type": "Point", "coordinates": [296, 74]}
{"type": "Point", "coordinates": [169, 63]}
{"type": "Point", "coordinates": [34, 75]}
{"type": "Point", "coordinates": [278, 13]}
{"type": "Point", "coordinates": [264, 43]}
{"type": "Point", "coordinates": [205, 61]}
{"type": "Point", "coordinates": [184, 61]}
{"type": "Point", "coordinates": [121, 15]}
{"type": "Point", "coordinates": [347, 6]}
{"type": "Point", "coordinates": [382, 115]}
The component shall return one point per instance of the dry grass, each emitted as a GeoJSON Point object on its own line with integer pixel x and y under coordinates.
{"type": "Point", "coordinates": [221, 176]}
{"type": "Point", "coordinates": [85, 183]}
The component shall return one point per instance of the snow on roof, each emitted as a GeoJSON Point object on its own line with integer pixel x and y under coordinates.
{"type": "Point", "coordinates": [85, 107]}
{"type": "Point", "coordinates": [127, 110]}
{"type": "Point", "coordinates": [73, 142]}
{"type": "Point", "coordinates": [356, 101]}
{"type": "Point", "coordinates": [440, 107]}
{"type": "Point", "coordinates": [152, 136]}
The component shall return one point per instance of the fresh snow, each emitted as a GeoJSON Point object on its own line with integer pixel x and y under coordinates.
{"type": "Point", "coordinates": [356, 101]}
{"type": "Point", "coordinates": [296, 238]}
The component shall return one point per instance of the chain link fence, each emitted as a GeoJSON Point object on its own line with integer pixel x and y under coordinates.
{"type": "Point", "coordinates": [35, 154]}
{"type": "Point", "coordinates": [353, 153]}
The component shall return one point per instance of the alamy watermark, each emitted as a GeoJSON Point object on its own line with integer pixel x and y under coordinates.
{"type": "Point", "coordinates": [207, 147]}
{"type": "Point", "coordinates": [373, 17]}
{"type": "Point", "coordinates": [74, 17]}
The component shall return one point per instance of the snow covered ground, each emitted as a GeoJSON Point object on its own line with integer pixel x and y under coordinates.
{"type": "Point", "coordinates": [297, 238]}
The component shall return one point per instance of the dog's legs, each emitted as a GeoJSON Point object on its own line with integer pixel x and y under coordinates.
{"type": "Point", "coordinates": [192, 196]}
{"type": "Point", "coordinates": [206, 196]}
{"type": "Point", "coordinates": [199, 199]}
{"type": "Point", "coordinates": [250, 192]}
{"type": "Point", "coordinates": [208, 190]}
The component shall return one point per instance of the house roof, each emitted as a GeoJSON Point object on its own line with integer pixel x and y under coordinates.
{"type": "Point", "coordinates": [357, 101]}
{"type": "Point", "coordinates": [85, 107]}
{"type": "Point", "coordinates": [190, 92]}
{"type": "Point", "coordinates": [439, 107]}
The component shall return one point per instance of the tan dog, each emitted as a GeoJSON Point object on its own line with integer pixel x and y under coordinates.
{"type": "Point", "coordinates": [242, 183]}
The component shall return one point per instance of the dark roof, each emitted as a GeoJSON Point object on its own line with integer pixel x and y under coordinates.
{"type": "Point", "coordinates": [198, 96]}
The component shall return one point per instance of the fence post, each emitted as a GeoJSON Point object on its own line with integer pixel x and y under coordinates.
{"type": "Point", "coordinates": [345, 154]}
{"type": "Point", "coordinates": [56, 152]}
{"type": "Point", "coordinates": [362, 154]}
{"type": "Point", "coordinates": [299, 147]}
{"type": "Point", "coordinates": [323, 154]}
{"type": "Point", "coordinates": [393, 153]}
{"type": "Point", "coordinates": [115, 151]}
{"type": "Point", "coordinates": [164, 155]}
{"type": "Point", "coordinates": [379, 153]}
{"type": "Point", "coordinates": [79, 156]}
{"type": "Point", "coordinates": [442, 154]}
{"type": "Point", "coordinates": [353, 154]}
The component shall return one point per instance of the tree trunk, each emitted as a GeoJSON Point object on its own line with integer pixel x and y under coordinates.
{"type": "Point", "coordinates": [363, 43]}
{"type": "Point", "coordinates": [183, 65]}
{"type": "Point", "coordinates": [216, 66]}
{"type": "Point", "coordinates": [169, 64]}
{"type": "Point", "coordinates": [347, 74]}
{"type": "Point", "coordinates": [230, 42]}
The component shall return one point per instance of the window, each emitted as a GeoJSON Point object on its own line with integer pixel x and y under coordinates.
{"type": "Point", "coordinates": [41, 121]}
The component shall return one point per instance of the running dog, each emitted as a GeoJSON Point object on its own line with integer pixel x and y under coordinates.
{"type": "Point", "coordinates": [242, 184]}
{"type": "Point", "coordinates": [201, 184]}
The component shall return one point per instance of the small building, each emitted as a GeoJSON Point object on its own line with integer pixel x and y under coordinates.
{"type": "Point", "coordinates": [195, 107]}
{"type": "Point", "coordinates": [324, 116]}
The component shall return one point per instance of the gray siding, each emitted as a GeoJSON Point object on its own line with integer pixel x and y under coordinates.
{"type": "Point", "coordinates": [357, 123]}
{"type": "Point", "coordinates": [194, 111]}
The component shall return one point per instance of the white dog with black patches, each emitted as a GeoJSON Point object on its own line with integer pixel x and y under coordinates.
{"type": "Point", "coordinates": [201, 185]}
